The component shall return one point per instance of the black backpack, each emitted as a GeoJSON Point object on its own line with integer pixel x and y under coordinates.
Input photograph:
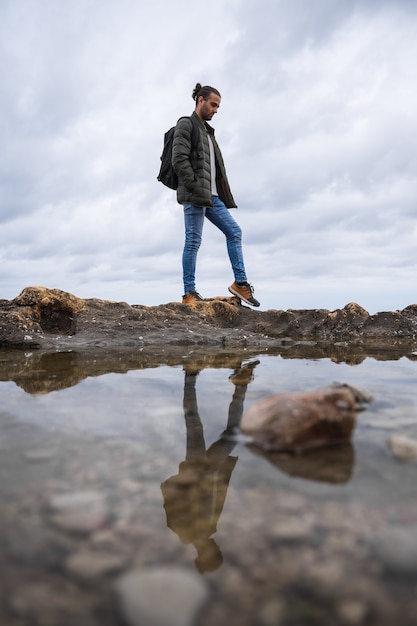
{"type": "Point", "coordinates": [167, 175]}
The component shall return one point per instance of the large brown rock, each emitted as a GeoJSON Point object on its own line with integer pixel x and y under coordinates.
{"type": "Point", "coordinates": [35, 311]}
{"type": "Point", "coordinates": [298, 421]}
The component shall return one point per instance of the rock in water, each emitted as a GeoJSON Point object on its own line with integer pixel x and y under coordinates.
{"type": "Point", "coordinates": [402, 448]}
{"type": "Point", "coordinates": [161, 596]}
{"type": "Point", "coordinates": [297, 421]}
{"type": "Point", "coordinates": [79, 512]}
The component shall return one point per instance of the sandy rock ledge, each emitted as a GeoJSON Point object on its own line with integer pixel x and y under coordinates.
{"type": "Point", "coordinates": [49, 318]}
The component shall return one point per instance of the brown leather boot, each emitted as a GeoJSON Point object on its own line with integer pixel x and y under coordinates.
{"type": "Point", "coordinates": [244, 291]}
{"type": "Point", "coordinates": [190, 298]}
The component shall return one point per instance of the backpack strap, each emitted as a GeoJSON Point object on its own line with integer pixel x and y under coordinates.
{"type": "Point", "coordinates": [194, 133]}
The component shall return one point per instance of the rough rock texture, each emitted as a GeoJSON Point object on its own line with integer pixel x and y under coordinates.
{"type": "Point", "coordinates": [50, 318]}
{"type": "Point", "coordinates": [298, 421]}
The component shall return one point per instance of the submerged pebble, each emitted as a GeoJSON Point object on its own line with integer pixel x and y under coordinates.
{"type": "Point", "coordinates": [402, 448]}
{"type": "Point", "coordinates": [89, 565]}
{"type": "Point", "coordinates": [161, 596]}
{"type": "Point", "coordinates": [396, 547]}
{"type": "Point", "coordinates": [81, 511]}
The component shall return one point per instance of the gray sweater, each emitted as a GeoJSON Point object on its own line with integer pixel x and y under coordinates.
{"type": "Point", "coordinates": [193, 166]}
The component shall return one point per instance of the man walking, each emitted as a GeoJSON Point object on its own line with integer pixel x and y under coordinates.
{"type": "Point", "coordinates": [204, 192]}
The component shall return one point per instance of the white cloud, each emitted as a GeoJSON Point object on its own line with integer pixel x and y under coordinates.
{"type": "Point", "coordinates": [316, 126]}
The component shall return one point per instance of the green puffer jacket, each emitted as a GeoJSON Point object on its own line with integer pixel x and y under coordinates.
{"type": "Point", "coordinates": [193, 166]}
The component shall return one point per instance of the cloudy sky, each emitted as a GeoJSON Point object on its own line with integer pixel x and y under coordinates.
{"type": "Point", "coordinates": [317, 126]}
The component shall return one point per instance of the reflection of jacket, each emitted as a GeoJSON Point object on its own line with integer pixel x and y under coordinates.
{"type": "Point", "coordinates": [193, 167]}
{"type": "Point", "coordinates": [194, 498]}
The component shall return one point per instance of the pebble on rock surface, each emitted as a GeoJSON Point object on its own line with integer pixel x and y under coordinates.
{"type": "Point", "coordinates": [161, 596]}
{"type": "Point", "coordinates": [297, 421]}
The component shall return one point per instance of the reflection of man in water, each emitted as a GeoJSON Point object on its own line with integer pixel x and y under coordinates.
{"type": "Point", "coordinates": [194, 498]}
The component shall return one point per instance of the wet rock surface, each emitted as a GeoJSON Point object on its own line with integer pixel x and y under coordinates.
{"type": "Point", "coordinates": [50, 318]}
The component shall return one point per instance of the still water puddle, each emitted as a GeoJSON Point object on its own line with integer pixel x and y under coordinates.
{"type": "Point", "coordinates": [326, 537]}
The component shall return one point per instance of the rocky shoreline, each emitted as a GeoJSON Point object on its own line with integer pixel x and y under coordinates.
{"type": "Point", "coordinates": [41, 318]}
{"type": "Point", "coordinates": [83, 516]}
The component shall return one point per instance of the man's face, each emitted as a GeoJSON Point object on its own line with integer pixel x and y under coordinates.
{"type": "Point", "coordinates": [207, 108]}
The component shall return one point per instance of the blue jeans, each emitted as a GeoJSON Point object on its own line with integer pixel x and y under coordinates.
{"type": "Point", "coordinates": [220, 216]}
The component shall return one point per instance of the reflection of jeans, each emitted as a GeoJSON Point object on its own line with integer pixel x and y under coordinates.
{"type": "Point", "coordinates": [220, 216]}
{"type": "Point", "coordinates": [196, 446]}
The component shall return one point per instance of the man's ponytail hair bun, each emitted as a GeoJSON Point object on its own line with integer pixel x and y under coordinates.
{"type": "Point", "coordinates": [203, 91]}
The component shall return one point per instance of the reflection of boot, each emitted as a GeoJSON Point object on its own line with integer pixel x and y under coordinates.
{"type": "Point", "coordinates": [243, 375]}
{"type": "Point", "coordinates": [191, 369]}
